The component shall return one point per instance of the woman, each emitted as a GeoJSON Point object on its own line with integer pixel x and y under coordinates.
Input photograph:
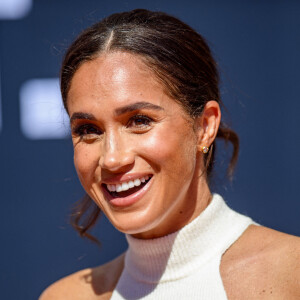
{"type": "Point", "coordinates": [141, 90]}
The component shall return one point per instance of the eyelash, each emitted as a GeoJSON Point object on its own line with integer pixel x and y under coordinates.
{"type": "Point", "coordinates": [86, 129]}
{"type": "Point", "coordinates": [146, 121]}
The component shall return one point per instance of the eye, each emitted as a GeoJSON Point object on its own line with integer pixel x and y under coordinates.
{"type": "Point", "coordinates": [86, 130]}
{"type": "Point", "coordinates": [139, 121]}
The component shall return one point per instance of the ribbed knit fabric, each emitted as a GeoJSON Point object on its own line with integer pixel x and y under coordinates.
{"type": "Point", "coordinates": [184, 264]}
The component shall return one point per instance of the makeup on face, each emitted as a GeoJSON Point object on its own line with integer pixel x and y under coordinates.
{"type": "Point", "coordinates": [134, 147]}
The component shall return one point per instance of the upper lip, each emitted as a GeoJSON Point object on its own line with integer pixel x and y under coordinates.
{"type": "Point", "coordinates": [124, 178]}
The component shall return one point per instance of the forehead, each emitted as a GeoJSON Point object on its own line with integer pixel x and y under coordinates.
{"type": "Point", "coordinates": [113, 75]}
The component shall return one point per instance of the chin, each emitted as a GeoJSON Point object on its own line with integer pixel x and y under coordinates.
{"type": "Point", "coordinates": [134, 222]}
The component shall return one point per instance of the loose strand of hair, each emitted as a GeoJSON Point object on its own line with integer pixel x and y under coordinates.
{"type": "Point", "coordinates": [85, 215]}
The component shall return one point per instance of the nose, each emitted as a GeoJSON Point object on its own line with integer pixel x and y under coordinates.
{"type": "Point", "coordinates": [116, 154]}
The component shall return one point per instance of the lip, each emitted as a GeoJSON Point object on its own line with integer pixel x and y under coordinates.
{"type": "Point", "coordinates": [129, 200]}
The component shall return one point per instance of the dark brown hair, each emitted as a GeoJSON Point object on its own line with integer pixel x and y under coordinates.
{"type": "Point", "coordinates": [178, 56]}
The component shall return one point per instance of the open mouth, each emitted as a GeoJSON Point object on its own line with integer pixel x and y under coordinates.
{"type": "Point", "coordinates": [126, 189]}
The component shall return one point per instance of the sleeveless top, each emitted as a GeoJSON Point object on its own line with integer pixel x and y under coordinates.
{"type": "Point", "coordinates": [184, 264]}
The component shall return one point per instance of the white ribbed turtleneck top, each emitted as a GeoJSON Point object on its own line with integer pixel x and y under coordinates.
{"type": "Point", "coordinates": [184, 264]}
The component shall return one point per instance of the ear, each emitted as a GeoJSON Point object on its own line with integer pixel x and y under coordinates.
{"type": "Point", "coordinates": [208, 124]}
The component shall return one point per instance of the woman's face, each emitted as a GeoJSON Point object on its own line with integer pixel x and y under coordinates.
{"type": "Point", "coordinates": [135, 149]}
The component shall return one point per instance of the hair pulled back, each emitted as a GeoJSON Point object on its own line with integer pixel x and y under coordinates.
{"type": "Point", "coordinates": [179, 57]}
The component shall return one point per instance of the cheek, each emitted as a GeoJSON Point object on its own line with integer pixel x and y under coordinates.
{"type": "Point", "coordinates": [175, 151]}
{"type": "Point", "coordinates": [85, 161]}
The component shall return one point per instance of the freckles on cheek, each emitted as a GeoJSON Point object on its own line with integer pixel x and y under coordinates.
{"type": "Point", "coordinates": [85, 163]}
{"type": "Point", "coordinates": [173, 152]}
{"type": "Point", "coordinates": [171, 149]}
{"type": "Point", "coordinates": [157, 147]}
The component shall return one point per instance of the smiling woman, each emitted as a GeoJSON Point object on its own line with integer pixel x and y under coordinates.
{"type": "Point", "coordinates": [130, 138]}
{"type": "Point", "coordinates": [141, 90]}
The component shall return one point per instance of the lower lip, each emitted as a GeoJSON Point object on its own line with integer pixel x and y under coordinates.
{"type": "Point", "coordinates": [129, 200]}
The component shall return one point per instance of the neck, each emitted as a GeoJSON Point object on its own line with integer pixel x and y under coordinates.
{"type": "Point", "coordinates": [184, 264]}
{"type": "Point", "coordinates": [187, 249]}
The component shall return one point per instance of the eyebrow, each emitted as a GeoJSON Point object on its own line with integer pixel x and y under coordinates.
{"type": "Point", "coordinates": [136, 106]}
{"type": "Point", "coordinates": [80, 115]}
{"type": "Point", "coordinates": [118, 111]}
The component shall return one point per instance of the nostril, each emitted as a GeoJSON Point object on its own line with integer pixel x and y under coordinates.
{"type": "Point", "coordinates": [116, 162]}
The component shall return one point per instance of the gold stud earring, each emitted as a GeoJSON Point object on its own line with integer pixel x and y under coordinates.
{"type": "Point", "coordinates": [205, 149]}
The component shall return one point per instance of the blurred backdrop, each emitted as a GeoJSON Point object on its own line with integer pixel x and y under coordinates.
{"type": "Point", "coordinates": [257, 46]}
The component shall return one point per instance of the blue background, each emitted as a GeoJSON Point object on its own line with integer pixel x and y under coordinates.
{"type": "Point", "coordinates": [257, 46]}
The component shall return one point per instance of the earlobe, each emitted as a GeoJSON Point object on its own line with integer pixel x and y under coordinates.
{"type": "Point", "coordinates": [209, 123]}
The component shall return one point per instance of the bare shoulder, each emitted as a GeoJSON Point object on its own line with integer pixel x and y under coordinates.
{"type": "Point", "coordinates": [94, 283]}
{"type": "Point", "coordinates": [265, 262]}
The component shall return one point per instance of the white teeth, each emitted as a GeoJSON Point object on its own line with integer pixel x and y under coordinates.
{"type": "Point", "coordinates": [130, 184]}
{"type": "Point", "coordinates": [137, 182]}
{"type": "Point", "coordinates": [111, 187]}
{"type": "Point", "coordinates": [118, 188]}
{"type": "Point", "coordinates": [126, 185]}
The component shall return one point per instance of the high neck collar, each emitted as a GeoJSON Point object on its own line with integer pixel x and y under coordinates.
{"type": "Point", "coordinates": [179, 254]}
